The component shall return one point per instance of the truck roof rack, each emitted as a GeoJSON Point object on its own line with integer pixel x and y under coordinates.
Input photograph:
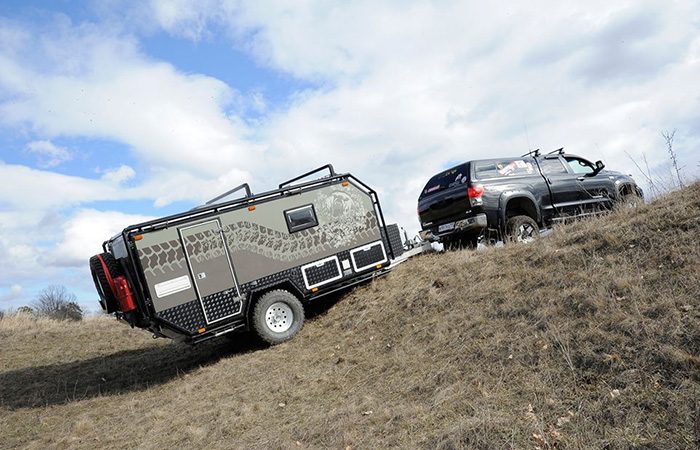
{"type": "Point", "coordinates": [245, 186]}
{"type": "Point", "coordinates": [300, 177]}
{"type": "Point", "coordinates": [535, 152]}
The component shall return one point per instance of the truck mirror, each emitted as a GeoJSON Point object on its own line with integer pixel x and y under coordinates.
{"type": "Point", "coordinates": [598, 167]}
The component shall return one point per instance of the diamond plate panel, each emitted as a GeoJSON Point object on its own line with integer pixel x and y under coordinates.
{"type": "Point", "coordinates": [222, 304]}
{"type": "Point", "coordinates": [318, 274]}
{"type": "Point", "coordinates": [188, 316]}
{"type": "Point", "coordinates": [371, 256]}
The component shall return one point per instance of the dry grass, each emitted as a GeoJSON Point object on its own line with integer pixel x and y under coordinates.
{"type": "Point", "coordinates": [589, 338]}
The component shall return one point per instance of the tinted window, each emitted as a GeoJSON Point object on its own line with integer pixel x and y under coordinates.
{"type": "Point", "coordinates": [301, 218]}
{"type": "Point", "coordinates": [580, 166]}
{"type": "Point", "coordinates": [552, 166]}
{"type": "Point", "coordinates": [447, 179]}
{"type": "Point", "coordinates": [499, 168]}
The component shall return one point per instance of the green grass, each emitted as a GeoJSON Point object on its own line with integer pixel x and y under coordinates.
{"type": "Point", "coordinates": [589, 338]}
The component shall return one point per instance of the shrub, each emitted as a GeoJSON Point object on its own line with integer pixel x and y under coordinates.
{"type": "Point", "coordinates": [57, 303]}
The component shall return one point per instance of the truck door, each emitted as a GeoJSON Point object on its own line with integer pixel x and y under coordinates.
{"type": "Point", "coordinates": [563, 187]}
{"type": "Point", "coordinates": [595, 192]}
{"type": "Point", "coordinates": [211, 270]}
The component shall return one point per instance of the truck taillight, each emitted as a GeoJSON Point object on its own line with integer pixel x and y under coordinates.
{"type": "Point", "coordinates": [124, 295]}
{"type": "Point", "coordinates": [475, 191]}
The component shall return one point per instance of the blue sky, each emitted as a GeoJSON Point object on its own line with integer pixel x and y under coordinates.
{"type": "Point", "coordinates": [112, 112]}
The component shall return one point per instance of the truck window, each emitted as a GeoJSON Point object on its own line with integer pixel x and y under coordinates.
{"type": "Point", "coordinates": [551, 166]}
{"type": "Point", "coordinates": [447, 179]}
{"type": "Point", "coordinates": [499, 168]}
{"type": "Point", "coordinates": [580, 166]}
{"type": "Point", "coordinates": [301, 218]}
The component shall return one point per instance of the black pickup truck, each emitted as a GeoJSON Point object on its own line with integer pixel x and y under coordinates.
{"type": "Point", "coordinates": [515, 197]}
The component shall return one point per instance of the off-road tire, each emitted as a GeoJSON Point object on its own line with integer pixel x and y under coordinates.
{"type": "Point", "coordinates": [522, 229]}
{"type": "Point", "coordinates": [631, 201]}
{"type": "Point", "coordinates": [108, 299]}
{"type": "Point", "coordinates": [277, 316]}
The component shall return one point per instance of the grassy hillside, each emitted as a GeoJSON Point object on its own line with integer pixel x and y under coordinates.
{"type": "Point", "coordinates": [589, 338]}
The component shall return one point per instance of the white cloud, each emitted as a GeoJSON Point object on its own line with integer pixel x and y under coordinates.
{"type": "Point", "coordinates": [49, 154]}
{"type": "Point", "coordinates": [85, 80]}
{"type": "Point", "coordinates": [26, 189]}
{"type": "Point", "coordinates": [84, 233]}
{"type": "Point", "coordinates": [118, 175]}
{"type": "Point", "coordinates": [15, 292]}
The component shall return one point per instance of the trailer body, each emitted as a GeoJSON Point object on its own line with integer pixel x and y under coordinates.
{"type": "Point", "coordinates": [197, 275]}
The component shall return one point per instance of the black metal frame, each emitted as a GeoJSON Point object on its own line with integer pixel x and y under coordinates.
{"type": "Point", "coordinates": [245, 186]}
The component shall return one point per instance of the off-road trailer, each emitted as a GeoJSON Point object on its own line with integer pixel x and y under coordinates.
{"type": "Point", "coordinates": [248, 263]}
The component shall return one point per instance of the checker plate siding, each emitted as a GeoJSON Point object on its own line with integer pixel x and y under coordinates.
{"type": "Point", "coordinates": [222, 304]}
{"type": "Point", "coordinates": [395, 240]}
{"type": "Point", "coordinates": [293, 275]}
{"type": "Point", "coordinates": [317, 275]}
{"type": "Point", "coordinates": [188, 316]}
{"type": "Point", "coordinates": [369, 257]}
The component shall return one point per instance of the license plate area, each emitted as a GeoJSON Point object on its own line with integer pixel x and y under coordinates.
{"type": "Point", "coordinates": [446, 227]}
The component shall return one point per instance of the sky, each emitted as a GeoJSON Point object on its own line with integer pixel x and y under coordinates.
{"type": "Point", "coordinates": [116, 111]}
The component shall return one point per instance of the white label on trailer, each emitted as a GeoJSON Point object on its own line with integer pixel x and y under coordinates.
{"type": "Point", "coordinates": [172, 286]}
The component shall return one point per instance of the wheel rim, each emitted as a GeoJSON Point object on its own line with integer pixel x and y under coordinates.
{"type": "Point", "coordinates": [526, 233]}
{"type": "Point", "coordinates": [279, 317]}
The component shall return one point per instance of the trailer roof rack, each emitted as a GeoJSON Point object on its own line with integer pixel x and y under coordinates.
{"type": "Point", "coordinates": [245, 186]}
{"type": "Point", "coordinates": [300, 177]}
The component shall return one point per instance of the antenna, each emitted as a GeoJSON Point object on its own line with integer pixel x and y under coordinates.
{"type": "Point", "coordinates": [527, 137]}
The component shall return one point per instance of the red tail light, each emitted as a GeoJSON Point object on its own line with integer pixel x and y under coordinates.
{"type": "Point", "coordinates": [476, 191]}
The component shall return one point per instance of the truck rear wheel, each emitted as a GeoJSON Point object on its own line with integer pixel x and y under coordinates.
{"type": "Point", "coordinates": [522, 229]}
{"type": "Point", "coordinates": [101, 278]}
{"type": "Point", "coordinates": [277, 316]}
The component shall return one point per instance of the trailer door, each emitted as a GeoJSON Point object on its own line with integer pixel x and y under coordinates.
{"type": "Point", "coordinates": [211, 269]}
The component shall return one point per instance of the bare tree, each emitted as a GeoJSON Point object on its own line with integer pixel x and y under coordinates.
{"type": "Point", "coordinates": [654, 191]}
{"type": "Point", "coordinates": [668, 137]}
{"type": "Point", "coordinates": [57, 303]}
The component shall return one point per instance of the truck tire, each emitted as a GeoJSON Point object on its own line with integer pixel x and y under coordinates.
{"type": "Point", "coordinates": [522, 229]}
{"type": "Point", "coordinates": [277, 316]}
{"type": "Point", "coordinates": [108, 298]}
{"type": "Point", "coordinates": [631, 201]}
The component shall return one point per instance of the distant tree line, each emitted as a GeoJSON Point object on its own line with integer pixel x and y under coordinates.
{"type": "Point", "coordinates": [54, 302]}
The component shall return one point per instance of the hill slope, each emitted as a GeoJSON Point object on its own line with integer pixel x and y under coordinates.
{"type": "Point", "coordinates": [589, 338]}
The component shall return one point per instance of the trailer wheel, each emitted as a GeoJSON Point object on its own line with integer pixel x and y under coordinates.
{"type": "Point", "coordinates": [522, 229]}
{"type": "Point", "coordinates": [108, 299]}
{"type": "Point", "coordinates": [278, 316]}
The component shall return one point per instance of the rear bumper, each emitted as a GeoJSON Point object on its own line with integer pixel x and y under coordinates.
{"type": "Point", "coordinates": [470, 224]}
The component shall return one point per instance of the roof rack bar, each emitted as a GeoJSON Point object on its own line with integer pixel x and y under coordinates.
{"type": "Point", "coordinates": [532, 153]}
{"type": "Point", "coordinates": [559, 151]}
{"type": "Point", "coordinates": [327, 166]}
{"type": "Point", "coordinates": [237, 188]}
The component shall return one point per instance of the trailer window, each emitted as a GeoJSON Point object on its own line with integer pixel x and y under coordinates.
{"type": "Point", "coordinates": [301, 218]}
